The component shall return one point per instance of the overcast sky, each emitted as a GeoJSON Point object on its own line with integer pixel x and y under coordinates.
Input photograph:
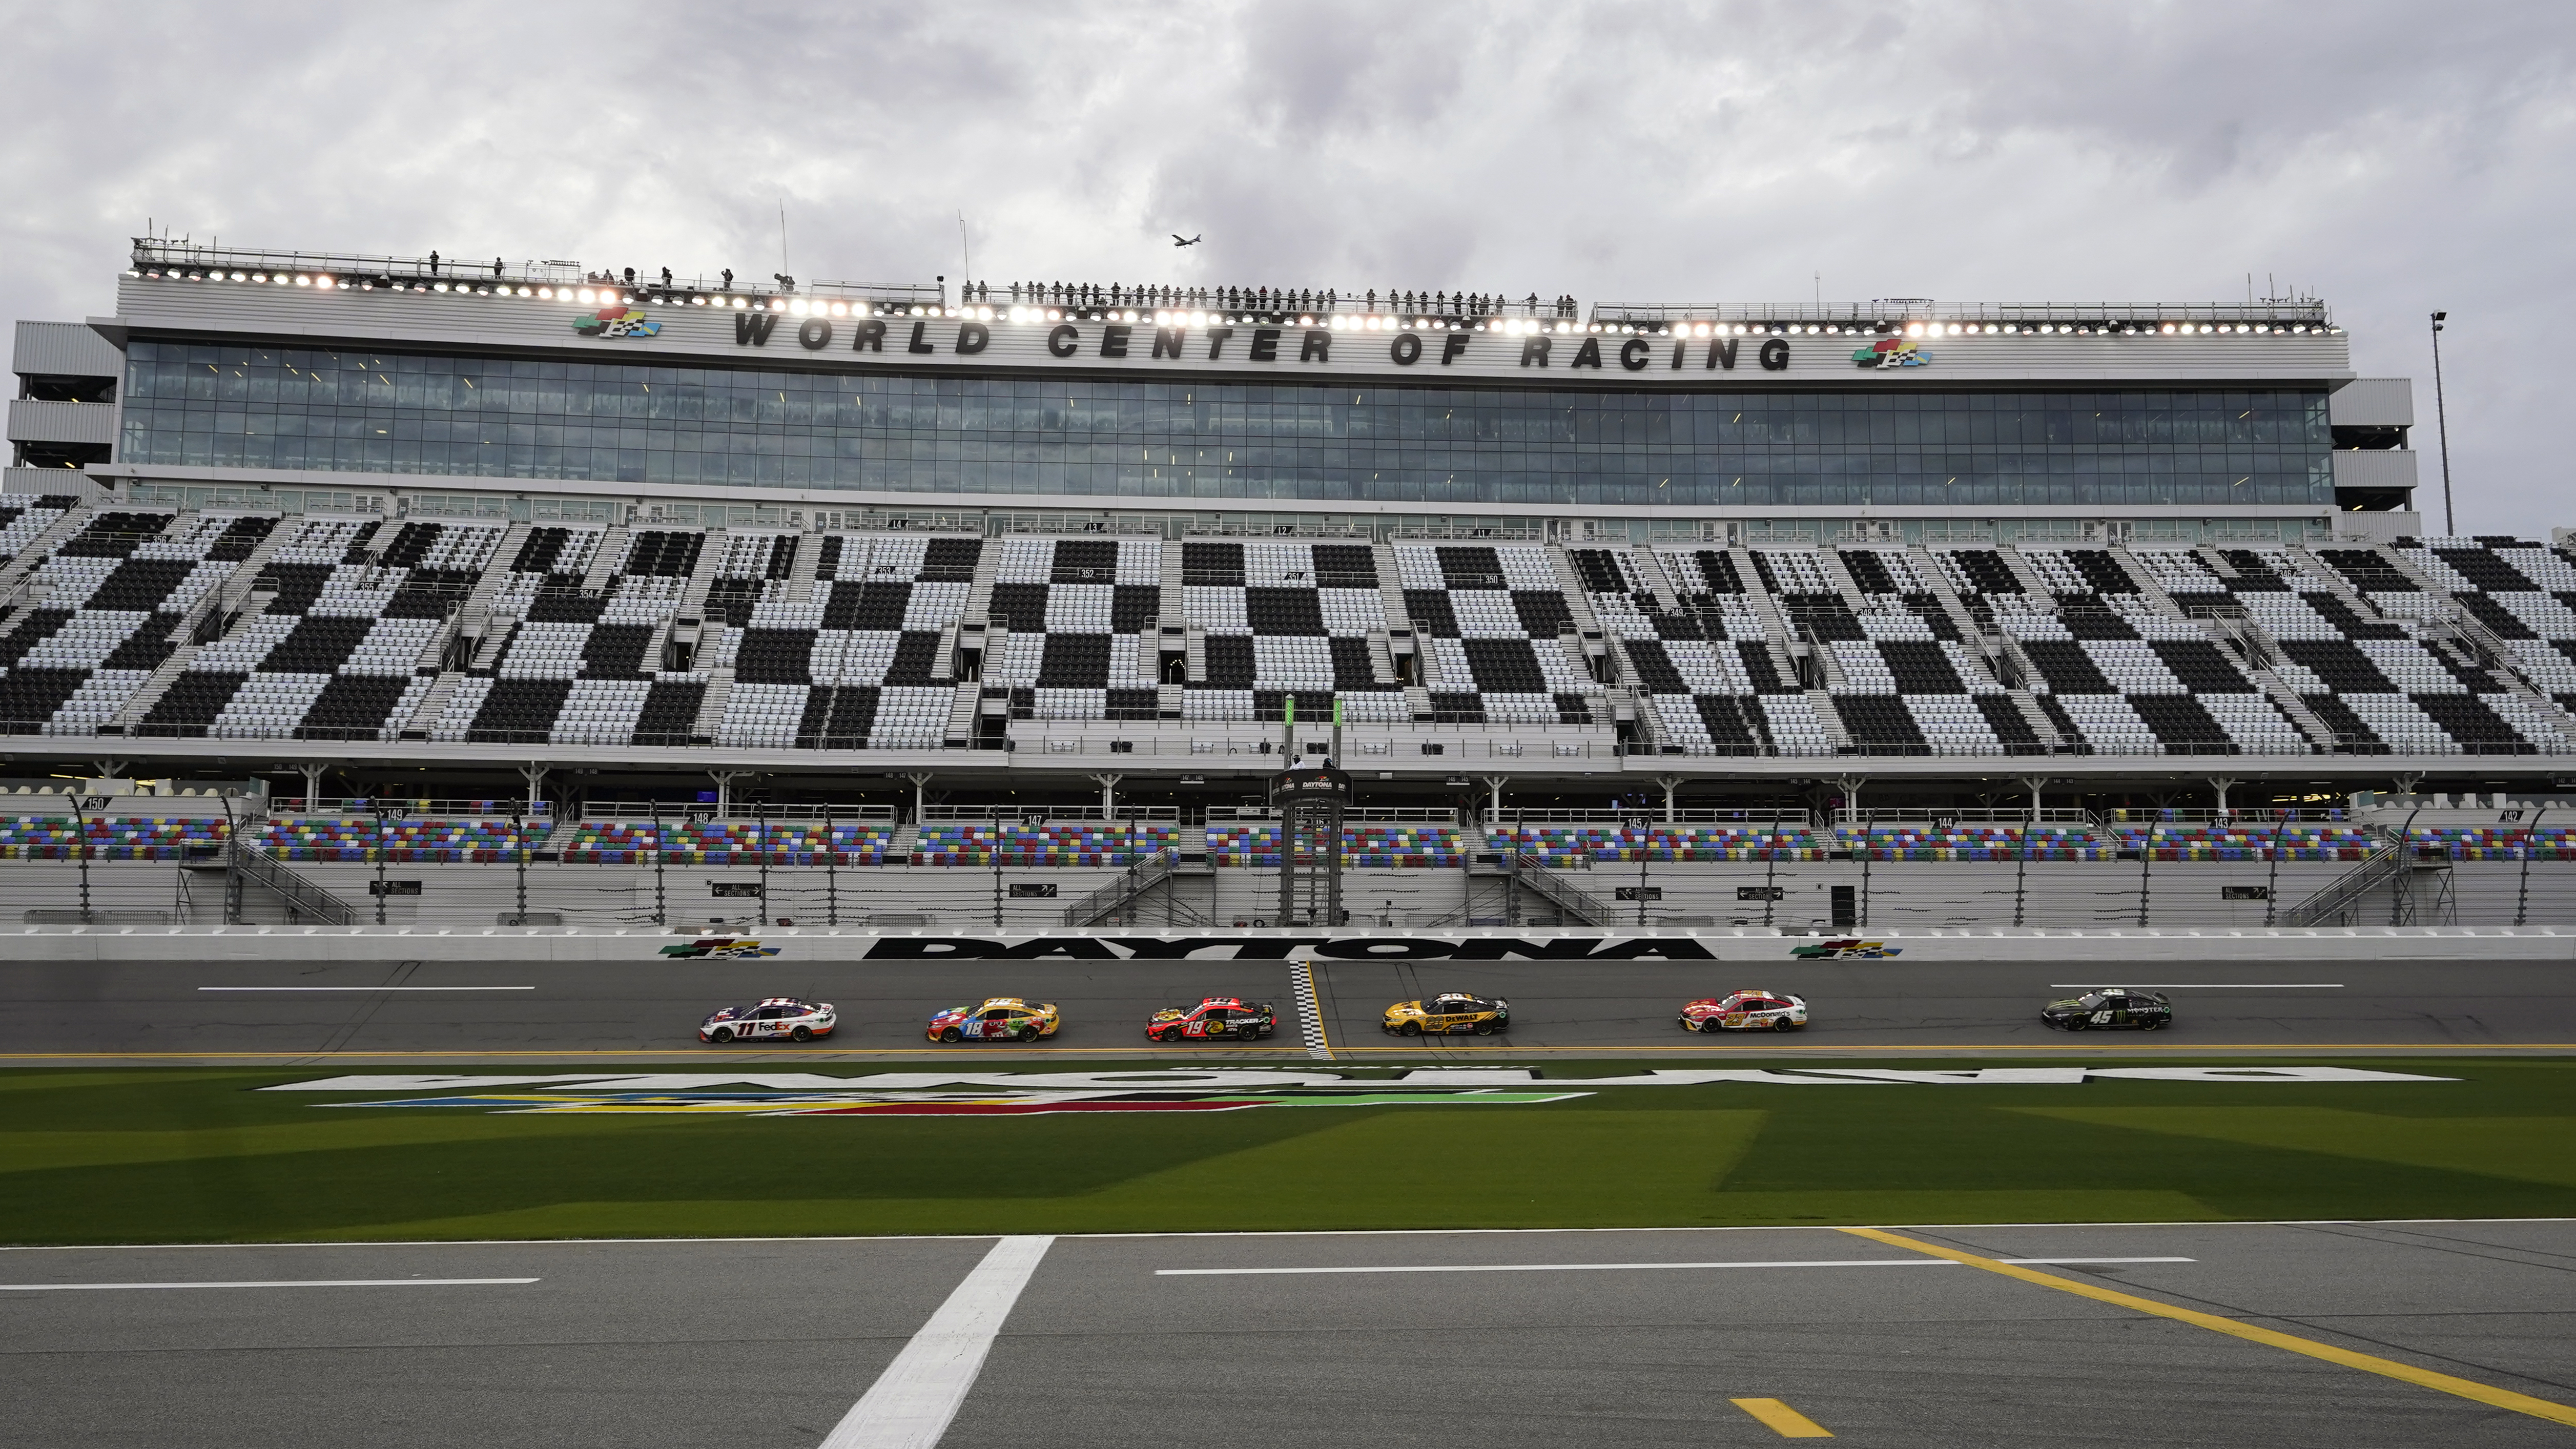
{"type": "Point", "coordinates": [2389, 158]}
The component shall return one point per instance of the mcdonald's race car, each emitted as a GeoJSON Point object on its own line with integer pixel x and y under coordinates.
{"type": "Point", "coordinates": [1000, 1018]}
{"type": "Point", "coordinates": [1746, 1011]}
{"type": "Point", "coordinates": [2108, 1008]}
{"type": "Point", "coordinates": [1218, 1018]}
{"type": "Point", "coordinates": [779, 1016]}
{"type": "Point", "coordinates": [1451, 1013]}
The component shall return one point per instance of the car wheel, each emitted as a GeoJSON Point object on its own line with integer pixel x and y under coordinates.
{"type": "Point", "coordinates": [2150, 1024]}
{"type": "Point", "coordinates": [802, 1033]}
{"type": "Point", "coordinates": [952, 1034]}
{"type": "Point", "coordinates": [1028, 1033]}
{"type": "Point", "coordinates": [720, 1035]}
{"type": "Point", "coordinates": [1484, 1028]}
{"type": "Point", "coordinates": [2076, 1023]}
{"type": "Point", "coordinates": [1780, 1023]}
{"type": "Point", "coordinates": [1410, 1028]}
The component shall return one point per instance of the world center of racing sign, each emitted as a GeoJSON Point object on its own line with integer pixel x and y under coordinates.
{"type": "Point", "coordinates": [1016, 1094]}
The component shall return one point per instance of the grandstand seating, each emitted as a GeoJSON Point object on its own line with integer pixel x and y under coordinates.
{"type": "Point", "coordinates": [1050, 843]}
{"type": "Point", "coordinates": [1287, 619]}
{"type": "Point", "coordinates": [1907, 841]}
{"type": "Point", "coordinates": [2182, 840]}
{"type": "Point", "coordinates": [1684, 842]}
{"type": "Point", "coordinates": [110, 837]}
{"type": "Point", "coordinates": [477, 839]}
{"type": "Point", "coordinates": [1366, 845]}
{"type": "Point", "coordinates": [234, 625]}
{"type": "Point", "coordinates": [635, 842]}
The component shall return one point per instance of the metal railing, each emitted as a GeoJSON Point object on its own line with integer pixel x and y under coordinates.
{"type": "Point", "coordinates": [1129, 887]}
{"type": "Point", "coordinates": [2333, 903]}
{"type": "Point", "coordinates": [254, 865]}
{"type": "Point", "coordinates": [1534, 874]}
{"type": "Point", "coordinates": [186, 260]}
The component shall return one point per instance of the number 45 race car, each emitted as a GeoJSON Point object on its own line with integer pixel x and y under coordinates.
{"type": "Point", "coordinates": [1218, 1018]}
{"type": "Point", "coordinates": [1746, 1011]}
{"type": "Point", "coordinates": [778, 1016]}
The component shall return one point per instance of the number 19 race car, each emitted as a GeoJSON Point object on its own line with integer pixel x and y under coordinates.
{"type": "Point", "coordinates": [1218, 1018]}
{"type": "Point", "coordinates": [778, 1016]}
{"type": "Point", "coordinates": [1000, 1018]}
{"type": "Point", "coordinates": [1746, 1011]}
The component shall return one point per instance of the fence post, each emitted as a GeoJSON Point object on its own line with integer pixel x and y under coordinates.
{"type": "Point", "coordinates": [2522, 896]}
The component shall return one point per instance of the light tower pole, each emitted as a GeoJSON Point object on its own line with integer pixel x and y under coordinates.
{"type": "Point", "coordinates": [2442, 425]}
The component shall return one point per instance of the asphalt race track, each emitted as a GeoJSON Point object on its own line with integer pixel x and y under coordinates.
{"type": "Point", "coordinates": [1099, 1342]}
{"type": "Point", "coordinates": [158, 1011]}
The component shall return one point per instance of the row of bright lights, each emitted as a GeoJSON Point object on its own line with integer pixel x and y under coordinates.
{"type": "Point", "coordinates": [1339, 322]}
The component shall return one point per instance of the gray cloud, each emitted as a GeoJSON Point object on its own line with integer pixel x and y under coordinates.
{"type": "Point", "coordinates": [2392, 158]}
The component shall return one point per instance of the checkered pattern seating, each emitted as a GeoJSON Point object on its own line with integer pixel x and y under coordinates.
{"type": "Point", "coordinates": [110, 837]}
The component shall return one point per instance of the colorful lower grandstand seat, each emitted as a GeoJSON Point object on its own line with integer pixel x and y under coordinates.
{"type": "Point", "coordinates": [110, 837]}
{"type": "Point", "coordinates": [1570, 844]}
{"type": "Point", "coordinates": [634, 842]}
{"type": "Point", "coordinates": [353, 838]}
{"type": "Point", "coordinates": [1924, 841]}
{"type": "Point", "coordinates": [1072, 842]}
{"type": "Point", "coordinates": [2499, 842]}
{"type": "Point", "coordinates": [1400, 846]}
{"type": "Point", "coordinates": [2244, 840]}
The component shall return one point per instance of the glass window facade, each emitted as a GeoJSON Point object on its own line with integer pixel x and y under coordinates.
{"type": "Point", "coordinates": [404, 413]}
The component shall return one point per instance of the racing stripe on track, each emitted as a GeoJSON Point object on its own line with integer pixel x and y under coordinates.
{"type": "Point", "coordinates": [1310, 1017]}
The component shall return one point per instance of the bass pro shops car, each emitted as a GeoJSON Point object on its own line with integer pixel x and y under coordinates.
{"type": "Point", "coordinates": [779, 1016]}
{"type": "Point", "coordinates": [1000, 1018]}
{"type": "Point", "coordinates": [2109, 1008]}
{"type": "Point", "coordinates": [1451, 1013]}
{"type": "Point", "coordinates": [1746, 1011]}
{"type": "Point", "coordinates": [1218, 1018]}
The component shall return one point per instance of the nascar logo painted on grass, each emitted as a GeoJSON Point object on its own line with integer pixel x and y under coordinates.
{"type": "Point", "coordinates": [1019, 1094]}
{"type": "Point", "coordinates": [717, 948]}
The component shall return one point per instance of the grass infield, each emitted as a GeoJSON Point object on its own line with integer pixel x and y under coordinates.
{"type": "Point", "coordinates": [184, 1155]}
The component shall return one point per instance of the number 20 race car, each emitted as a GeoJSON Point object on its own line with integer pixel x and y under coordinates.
{"type": "Point", "coordinates": [1448, 1014]}
{"type": "Point", "coordinates": [1746, 1011]}
{"type": "Point", "coordinates": [1218, 1018]}
{"type": "Point", "coordinates": [1000, 1018]}
{"type": "Point", "coordinates": [779, 1016]}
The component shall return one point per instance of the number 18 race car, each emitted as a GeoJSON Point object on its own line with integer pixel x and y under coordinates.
{"type": "Point", "coordinates": [1746, 1011]}
{"type": "Point", "coordinates": [1218, 1018]}
{"type": "Point", "coordinates": [778, 1016]}
{"type": "Point", "coordinates": [1000, 1018]}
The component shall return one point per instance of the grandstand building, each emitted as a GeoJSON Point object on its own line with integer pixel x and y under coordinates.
{"type": "Point", "coordinates": [382, 527]}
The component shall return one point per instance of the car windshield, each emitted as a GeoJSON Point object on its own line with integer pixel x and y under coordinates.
{"type": "Point", "coordinates": [2090, 1000]}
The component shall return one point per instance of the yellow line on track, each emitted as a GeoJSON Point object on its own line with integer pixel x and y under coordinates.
{"type": "Point", "coordinates": [2550, 1410]}
{"type": "Point", "coordinates": [1787, 1422]}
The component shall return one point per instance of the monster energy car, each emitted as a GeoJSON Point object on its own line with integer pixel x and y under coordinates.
{"type": "Point", "coordinates": [2108, 1008]}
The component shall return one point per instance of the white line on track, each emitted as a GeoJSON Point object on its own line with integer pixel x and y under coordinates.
{"type": "Point", "coordinates": [272, 1283]}
{"type": "Point", "coordinates": [366, 988]}
{"type": "Point", "coordinates": [2207, 986]}
{"type": "Point", "coordinates": [1631, 1267]}
{"type": "Point", "coordinates": [911, 1403]}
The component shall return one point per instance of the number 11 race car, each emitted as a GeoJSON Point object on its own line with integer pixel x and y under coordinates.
{"type": "Point", "coordinates": [779, 1016]}
{"type": "Point", "coordinates": [1746, 1011]}
{"type": "Point", "coordinates": [1218, 1018]}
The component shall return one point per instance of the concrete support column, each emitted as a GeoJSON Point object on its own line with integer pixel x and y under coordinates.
{"type": "Point", "coordinates": [1671, 783]}
{"type": "Point", "coordinates": [1108, 794]}
{"type": "Point", "coordinates": [918, 781]}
